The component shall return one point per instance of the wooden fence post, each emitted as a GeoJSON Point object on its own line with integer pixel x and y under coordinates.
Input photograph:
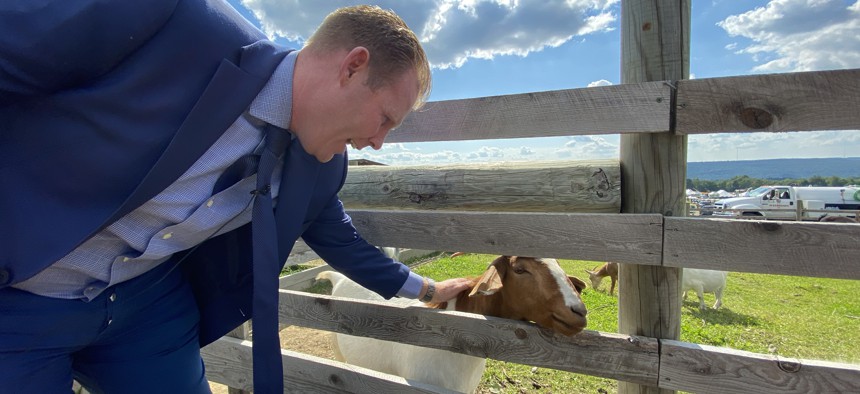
{"type": "Point", "coordinates": [241, 332]}
{"type": "Point", "coordinates": [654, 46]}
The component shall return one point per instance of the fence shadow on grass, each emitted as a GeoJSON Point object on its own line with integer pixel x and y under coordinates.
{"type": "Point", "coordinates": [723, 315]}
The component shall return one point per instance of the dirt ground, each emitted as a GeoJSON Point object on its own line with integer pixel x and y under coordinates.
{"type": "Point", "coordinates": [297, 339]}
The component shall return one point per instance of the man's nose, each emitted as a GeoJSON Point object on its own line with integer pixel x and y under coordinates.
{"type": "Point", "coordinates": [377, 140]}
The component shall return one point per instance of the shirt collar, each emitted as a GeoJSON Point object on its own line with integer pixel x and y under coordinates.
{"type": "Point", "coordinates": [274, 103]}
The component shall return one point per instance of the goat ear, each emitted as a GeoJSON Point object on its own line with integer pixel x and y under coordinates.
{"type": "Point", "coordinates": [489, 283]}
{"type": "Point", "coordinates": [578, 284]}
{"type": "Point", "coordinates": [491, 280]}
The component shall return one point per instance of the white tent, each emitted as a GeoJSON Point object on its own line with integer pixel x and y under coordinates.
{"type": "Point", "coordinates": [720, 194]}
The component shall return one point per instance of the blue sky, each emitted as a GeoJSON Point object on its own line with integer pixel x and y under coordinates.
{"type": "Point", "coordinates": [492, 47]}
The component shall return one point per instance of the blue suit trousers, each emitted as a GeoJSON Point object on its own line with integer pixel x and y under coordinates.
{"type": "Point", "coordinates": [139, 336]}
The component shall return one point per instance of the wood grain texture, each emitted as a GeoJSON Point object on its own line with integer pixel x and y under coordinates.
{"type": "Point", "coordinates": [561, 186]}
{"type": "Point", "coordinates": [301, 280]}
{"type": "Point", "coordinates": [655, 45]}
{"type": "Point", "coordinates": [600, 354]}
{"type": "Point", "coordinates": [641, 108]}
{"type": "Point", "coordinates": [229, 362]}
{"type": "Point", "coordinates": [708, 369]}
{"type": "Point", "coordinates": [769, 247]}
{"type": "Point", "coordinates": [243, 332]}
{"type": "Point", "coordinates": [598, 237]}
{"type": "Point", "coordinates": [804, 101]}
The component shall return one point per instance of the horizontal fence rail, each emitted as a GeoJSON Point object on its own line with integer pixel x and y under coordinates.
{"type": "Point", "coordinates": [829, 250]}
{"type": "Point", "coordinates": [709, 369]}
{"type": "Point", "coordinates": [642, 108]}
{"type": "Point", "coordinates": [788, 248]}
{"type": "Point", "coordinates": [806, 101]}
{"type": "Point", "coordinates": [602, 237]}
{"type": "Point", "coordinates": [666, 364]}
{"type": "Point", "coordinates": [228, 361]}
{"type": "Point", "coordinates": [612, 356]}
{"type": "Point", "coordinates": [557, 186]}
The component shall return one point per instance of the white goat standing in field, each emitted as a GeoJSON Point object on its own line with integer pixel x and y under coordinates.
{"type": "Point", "coordinates": [521, 288]}
{"type": "Point", "coordinates": [704, 281]}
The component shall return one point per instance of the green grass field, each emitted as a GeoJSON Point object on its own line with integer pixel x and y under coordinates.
{"type": "Point", "coordinates": [797, 317]}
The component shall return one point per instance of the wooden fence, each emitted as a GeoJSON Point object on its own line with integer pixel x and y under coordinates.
{"type": "Point", "coordinates": [653, 109]}
{"type": "Point", "coordinates": [790, 248]}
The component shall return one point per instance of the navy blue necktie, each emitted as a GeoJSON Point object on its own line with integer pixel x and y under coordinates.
{"type": "Point", "coordinates": [268, 368]}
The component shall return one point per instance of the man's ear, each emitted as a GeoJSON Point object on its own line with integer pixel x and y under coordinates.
{"type": "Point", "coordinates": [356, 60]}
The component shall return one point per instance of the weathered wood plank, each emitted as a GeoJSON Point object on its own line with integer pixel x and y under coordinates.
{"type": "Point", "coordinates": [243, 332]}
{"type": "Point", "coordinates": [228, 361]}
{"type": "Point", "coordinates": [655, 45]}
{"type": "Point", "coordinates": [709, 369]}
{"type": "Point", "coordinates": [814, 249]}
{"type": "Point", "coordinates": [640, 108]}
{"type": "Point", "coordinates": [599, 237]}
{"type": "Point", "coordinates": [804, 101]}
{"type": "Point", "coordinates": [301, 280]}
{"type": "Point", "coordinates": [613, 356]}
{"type": "Point", "coordinates": [561, 186]}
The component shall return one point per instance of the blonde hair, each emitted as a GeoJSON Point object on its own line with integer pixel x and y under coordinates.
{"type": "Point", "coordinates": [393, 47]}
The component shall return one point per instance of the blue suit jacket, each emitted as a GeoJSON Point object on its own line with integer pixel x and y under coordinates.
{"type": "Point", "coordinates": [105, 104]}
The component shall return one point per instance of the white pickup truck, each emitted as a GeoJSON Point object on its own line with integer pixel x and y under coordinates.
{"type": "Point", "coordinates": [780, 202]}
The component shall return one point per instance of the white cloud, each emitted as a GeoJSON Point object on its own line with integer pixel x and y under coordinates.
{"type": "Point", "coordinates": [589, 147]}
{"type": "Point", "coordinates": [486, 152]}
{"type": "Point", "coordinates": [454, 31]}
{"type": "Point", "coordinates": [799, 35]}
{"type": "Point", "coordinates": [716, 147]}
{"type": "Point", "coordinates": [548, 148]}
{"type": "Point", "coordinates": [601, 82]}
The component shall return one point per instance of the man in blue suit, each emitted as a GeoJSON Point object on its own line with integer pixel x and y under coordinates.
{"type": "Point", "coordinates": [126, 239]}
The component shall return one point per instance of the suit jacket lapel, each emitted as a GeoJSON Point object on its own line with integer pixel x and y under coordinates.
{"type": "Point", "coordinates": [228, 94]}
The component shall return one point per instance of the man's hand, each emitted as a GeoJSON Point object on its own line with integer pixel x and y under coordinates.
{"type": "Point", "coordinates": [448, 289]}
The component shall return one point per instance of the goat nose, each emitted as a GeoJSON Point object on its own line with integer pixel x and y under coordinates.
{"type": "Point", "coordinates": [579, 309]}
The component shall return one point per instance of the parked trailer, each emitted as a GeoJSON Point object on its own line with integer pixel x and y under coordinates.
{"type": "Point", "coordinates": [780, 202]}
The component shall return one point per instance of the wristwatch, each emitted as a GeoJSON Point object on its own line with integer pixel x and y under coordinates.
{"type": "Point", "coordinates": [431, 289]}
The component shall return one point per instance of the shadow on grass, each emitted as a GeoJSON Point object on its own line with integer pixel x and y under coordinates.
{"type": "Point", "coordinates": [723, 315]}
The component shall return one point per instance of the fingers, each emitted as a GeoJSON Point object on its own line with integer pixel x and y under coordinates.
{"type": "Point", "coordinates": [450, 288]}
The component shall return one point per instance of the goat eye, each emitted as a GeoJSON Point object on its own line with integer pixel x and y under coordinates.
{"type": "Point", "coordinates": [519, 270]}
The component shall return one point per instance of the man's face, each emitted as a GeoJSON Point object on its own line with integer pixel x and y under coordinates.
{"type": "Point", "coordinates": [362, 117]}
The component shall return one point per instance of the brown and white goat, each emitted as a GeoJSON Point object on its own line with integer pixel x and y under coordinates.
{"type": "Point", "coordinates": [597, 275]}
{"type": "Point", "coordinates": [512, 287]}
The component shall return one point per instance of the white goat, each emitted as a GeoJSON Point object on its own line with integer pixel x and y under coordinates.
{"type": "Point", "coordinates": [539, 288]}
{"type": "Point", "coordinates": [704, 281]}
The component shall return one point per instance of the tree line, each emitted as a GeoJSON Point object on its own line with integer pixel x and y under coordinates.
{"type": "Point", "coordinates": [746, 182]}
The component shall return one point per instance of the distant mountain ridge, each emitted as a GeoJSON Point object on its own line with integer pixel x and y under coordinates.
{"type": "Point", "coordinates": [775, 168]}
